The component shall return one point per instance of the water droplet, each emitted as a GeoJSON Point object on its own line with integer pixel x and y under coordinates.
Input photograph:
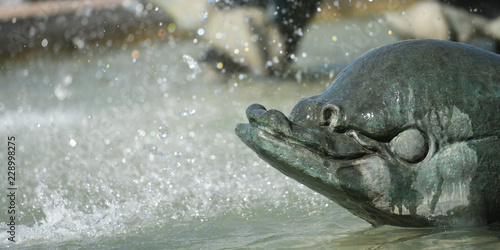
{"type": "Point", "coordinates": [193, 64]}
{"type": "Point", "coordinates": [78, 42]}
{"type": "Point", "coordinates": [139, 8]}
{"type": "Point", "coordinates": [163, 132]}
{"type": "Point", "coordinates": [171, 27]}
{"type": "Point", "coordinates": [203, 16]}
{"type": "Point", "coordinates": [141, 132]}
{"type": "Point", "coordinates": [45, 42]}
{"type": "Point", "coordinates": [68, 80]}
{"type": "Point", "coordinates": [161, 33]}
{"type": "Point", "coordinates": [61, 93]}
{"type": "Point", "coordinates": [135, 54]}
{"type": "Point", "coordinates": [299, 32]}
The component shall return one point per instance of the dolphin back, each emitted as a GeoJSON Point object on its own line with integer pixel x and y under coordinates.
{"type": "Point", "coordinates": [413, 82]}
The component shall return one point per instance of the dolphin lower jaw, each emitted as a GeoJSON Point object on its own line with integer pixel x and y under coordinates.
{"type": "Point", "coordinates": [297, 162]}
{"type": "Point", "coordinates": [284, 151]}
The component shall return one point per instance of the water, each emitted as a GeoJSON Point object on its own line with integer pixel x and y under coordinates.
{"type": "Point", "coordinates": [128, 151]}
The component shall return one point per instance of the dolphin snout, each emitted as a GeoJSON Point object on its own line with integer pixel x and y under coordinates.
{"type": "Point", "coordinates": [272, 121]}
{"type": "Point", "coordinates": [254, 113]}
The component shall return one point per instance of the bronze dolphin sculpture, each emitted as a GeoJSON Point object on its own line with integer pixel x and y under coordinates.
{"type": "Point", "coordinates": [407, 135]}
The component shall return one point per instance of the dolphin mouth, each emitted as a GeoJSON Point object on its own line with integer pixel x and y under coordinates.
{"type": "Point", "coordinates": [268, 126]}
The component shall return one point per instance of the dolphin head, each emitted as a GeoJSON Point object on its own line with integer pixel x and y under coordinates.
{"type": "Point", "coordinates": [406, 135]}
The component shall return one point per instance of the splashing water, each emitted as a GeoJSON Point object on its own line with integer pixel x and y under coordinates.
{"type": "Point", "coordinates": [193, 64]}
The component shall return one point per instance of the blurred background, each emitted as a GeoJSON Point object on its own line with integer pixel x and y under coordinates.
{"type": "Point", "coordinates": [124, 111]}
{"type": "Point", "coordinates": [273, 29]}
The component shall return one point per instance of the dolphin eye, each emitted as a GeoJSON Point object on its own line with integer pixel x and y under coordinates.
{"type": "Point", "coordinates": [410, 145]}
{"type": "Point", "coordinates": [330, 115]}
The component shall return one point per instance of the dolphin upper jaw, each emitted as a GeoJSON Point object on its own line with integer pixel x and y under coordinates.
{"type": "Point", "coordinates": [320, 139]}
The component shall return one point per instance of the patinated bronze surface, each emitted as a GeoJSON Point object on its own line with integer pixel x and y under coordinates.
{"type": "Point", "coordinates": [407, 135]}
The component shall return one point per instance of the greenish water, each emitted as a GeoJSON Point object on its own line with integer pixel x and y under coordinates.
{"type": "Point", "coordinates": [117, 153]}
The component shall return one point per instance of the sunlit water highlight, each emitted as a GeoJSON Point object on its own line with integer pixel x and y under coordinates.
{"type": "Point", "coordinates": [130, 152]}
